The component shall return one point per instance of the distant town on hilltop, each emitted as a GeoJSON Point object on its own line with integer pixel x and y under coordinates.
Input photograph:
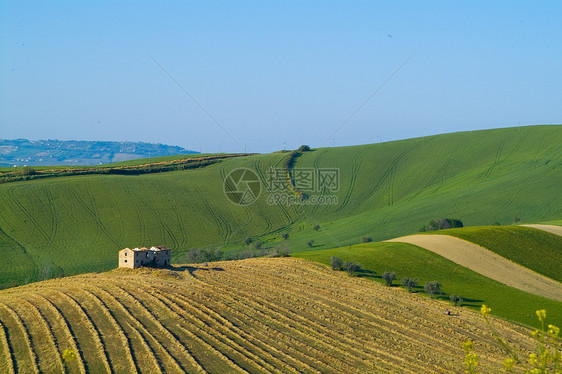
{"type": "Point", "coordinates": [23, 152]}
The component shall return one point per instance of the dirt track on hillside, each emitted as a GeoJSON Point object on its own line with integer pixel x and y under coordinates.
{"type": "Point", "coordinates": [487, 263]}
{"type": "Point", "coordinates": [550, 228]}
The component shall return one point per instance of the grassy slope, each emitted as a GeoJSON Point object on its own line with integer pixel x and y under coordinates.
{"type": "Point", "coordinates": [241, 316]}
{"type": "Point", "coordinates": [536, 249]}
{"type": "Point", "coordinates": [411, 261]}
{"type": "Point", "coordinates": [392, 189]}
{"type": "Point", "coordinates": [76, 224]}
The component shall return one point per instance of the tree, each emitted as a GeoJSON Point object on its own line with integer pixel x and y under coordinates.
{"type": "Point", "coordinates": [351, 267]}
{"type": "Point", "coordinates": [281, 250]}
{"type": "Point", "coordinates": [432, 288]}
{"type": "Point", "coordinates": [285, 236]}
{"type": "Point", "coordinates": [336, 263]}
{"type": "Point", "coordinates": [366, 239]}
{"type": "Point", "coordinates": [442, 224]}
{"type": "Point", "coordinates": [316, 227]}
{"type": "Point", "coordinates": [410, 283]}
{"type": "Point", "coordinates": [310, 242]}
{"type": "Point", "coordinates": [456, 299]}
{"type": "Point", "coordinates": [389, 277]}
{"type": "Point", "coordinates": [28, 171]}
{"type": "Point", "coordinates": [248, 240]}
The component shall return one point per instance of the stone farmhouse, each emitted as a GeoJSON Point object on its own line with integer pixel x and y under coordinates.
{"type": "Point", "coordinates": [137, 257]}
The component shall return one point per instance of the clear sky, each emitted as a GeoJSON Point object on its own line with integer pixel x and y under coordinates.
{"type": "Point", "coordinates": [277, 74]}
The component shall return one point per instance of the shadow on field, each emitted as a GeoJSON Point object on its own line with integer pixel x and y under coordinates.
{"type": "Point", "coordinates": [192, 269]}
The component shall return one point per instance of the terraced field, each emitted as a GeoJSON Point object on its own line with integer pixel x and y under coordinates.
{"type": "Point", "coordinates": [260, 315]}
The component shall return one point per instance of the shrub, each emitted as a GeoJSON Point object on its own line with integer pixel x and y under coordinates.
{"type": "Point", "coordinates": [366, 239]}
{"type": "Point", "coordinates": [310, 242]}
{"type": "Point", "coordinates": [442, 224]}
{"type": "Point", "coordinates": [281, 250]}
{"type": "Point", "coordinates": [389, 277]}
{"type": "Point", "coordinates": [456, 299]}
{"type": "Point", "coordinates": [285, 236]}
{"type": "Point", "coordinates": [248, 240]}
{"type": "Point", "coordinates": [316, 227]}
{"type": "Point", "coordinates": [410, 283]}
{"type": "Point", "coordinates": [351, 267]}
{"type": "Point", "coordinates": [303, 148]}
{"type": "Point", "coordinates": [432, 288]}
{"type": "Point", "coordinates": [28, 171]}
{"type": "Point", "coordinates": [336, 263]}
{"type": "Point", "coordinates": [258, 245]}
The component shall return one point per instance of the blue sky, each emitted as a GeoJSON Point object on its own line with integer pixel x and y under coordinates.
{"type": "Point", "coordinates": [275, 75]}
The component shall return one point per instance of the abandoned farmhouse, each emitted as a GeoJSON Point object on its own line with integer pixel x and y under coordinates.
{"type": "Point", "coordinates": [137, 257]}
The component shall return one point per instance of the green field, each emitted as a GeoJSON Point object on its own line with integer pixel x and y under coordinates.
{"type": "Point", "coordinates": [408, 260]}
{"type": "Point", "coordinates": [535, 249]}
{"type": "Point", "coordinates": [76, 224]}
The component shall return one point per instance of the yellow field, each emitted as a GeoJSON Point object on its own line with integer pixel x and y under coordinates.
{"type": "Point", "coordinates": [258, 315]}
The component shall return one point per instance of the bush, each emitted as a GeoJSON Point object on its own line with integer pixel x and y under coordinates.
{"type": "Point", "coordinates": [258, 245]}
{"type": "Point", "coordinates": [248, 240]}
{"type": "Point", "coordinates": [310, 243]}
{"type": "Point", "coordinates": [389, 277]}
{"type": "Point", "coordinates": [336, 263]}
{"type": "Point", "coordinates": [442, 224]}
{"type": "Point", "coordinates": [432, 288]}
{"type": "Point", "coordinates": [351, 267]}
{"type": "Point", "coordinates": [456, 299]}
{"type": "Point", "coordinates": [366, 239]}
{"type": "Point", "coordinates": [281, 250]}
{"type": "Point", "coordinates": [199, 255]}
{"type": "Point", "coordinates": [303, 148]}
{"type": "Point", "coordinates": [28, 171]}
{"type": "Point", "coordinates": [410, 283]}
{"type": "Point", "coordinates": [316, 227]}
{"type": "Point", "coordinates": [285, 236]}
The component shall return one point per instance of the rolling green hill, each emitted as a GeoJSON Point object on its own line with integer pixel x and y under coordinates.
{"type": "Point", "coordinates": [75, 224]}
{"type": "Point", "coordinates": [535, 249]}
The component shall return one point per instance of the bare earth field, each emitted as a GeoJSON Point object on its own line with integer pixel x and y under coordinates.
{"type": "Point", "coordinates": [549, 228]}
{"type": "Point", "coordinates": [258, 315]}
{"type": "Point", "coordinates": [487, 263]}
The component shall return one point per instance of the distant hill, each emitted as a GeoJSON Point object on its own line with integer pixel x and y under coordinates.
{"type": "Point", "coordinates": [22, 152]}
{"type": "Point", "coordinates": [74, 224]}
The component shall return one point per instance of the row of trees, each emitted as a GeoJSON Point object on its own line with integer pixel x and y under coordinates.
{"type": "Point", "coordinates": [431, 287]}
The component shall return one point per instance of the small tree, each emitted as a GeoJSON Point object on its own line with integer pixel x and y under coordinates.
{"type": "Point", "coordinates": [351, 267]}
{"type": "Point", "coordinates": [389, 277]}
{"type": "Point", "coordinates": [28, 171]}
{"type": "Point", "coordinates": [285, 236]}
{"type": "Point", "coordinates": [310, 242]}
{"type": "Point", "coordinates": [316, 227]}
{"type": "Point", "coordinates": [366, 239]}
{"type": "Point", "coordinates": [456, 299]}
{"type": "Point", "coordinates": [410, 283]}
{"type": "Point", "coordinates": [432, 288]}
{"type": "Point", "coordinates": [304, 148]}
{"type": "Point", "coordinates": [336, 263]}
{"type": "Point", "coordinates": [281, 250]}
{"type": "Point", "coordinates": [248, 240]}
